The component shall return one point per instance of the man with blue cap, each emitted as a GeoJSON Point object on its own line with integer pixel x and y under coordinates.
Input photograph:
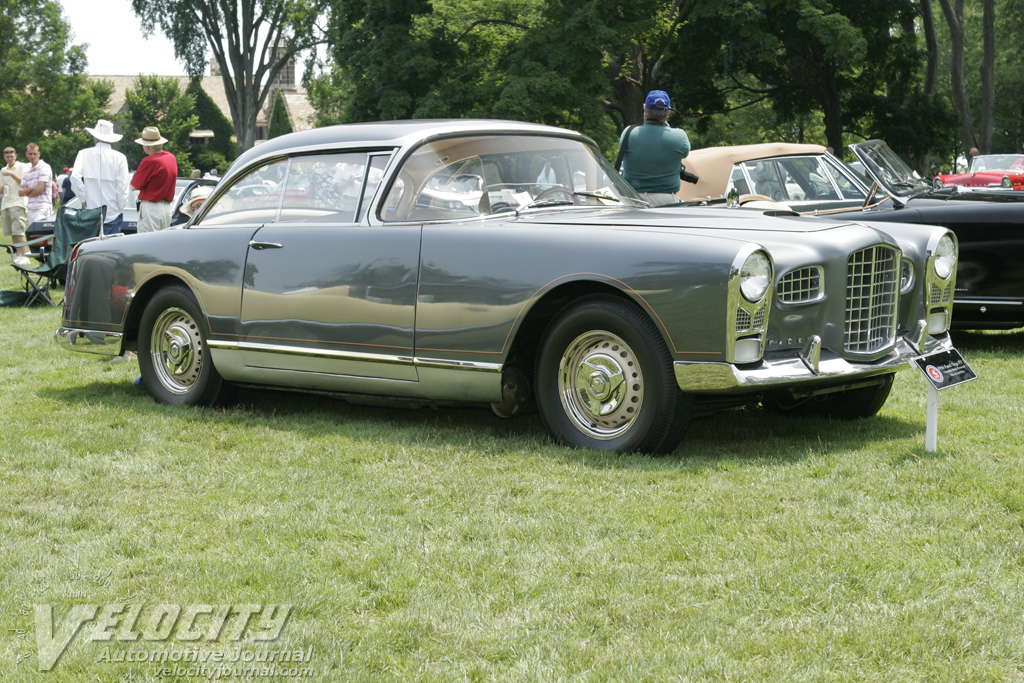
{"type": "Point", "coordinates": [654, 151]}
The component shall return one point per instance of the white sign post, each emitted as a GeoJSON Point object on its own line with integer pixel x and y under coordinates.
{"type": "Point", "coordinates": [931, 429]}
{"type": "Point", "coordinates": [942, 370]}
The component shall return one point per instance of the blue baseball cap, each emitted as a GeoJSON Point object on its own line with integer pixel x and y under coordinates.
{"type": "Point", "coordinates": [658, 99]}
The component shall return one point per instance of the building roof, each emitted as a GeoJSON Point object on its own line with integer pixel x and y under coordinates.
{"type": "Point", "coordinates": [299, 110]}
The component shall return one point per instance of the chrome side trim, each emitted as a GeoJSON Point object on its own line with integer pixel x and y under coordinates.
{"type": "Point", "coordinates": [88, 341]}
{"type": "Point", "coordinates": [436, 363]}
{"type": "Point", "coordinates": [725, 378]}
{"type": "Point", "coordinates": [449, 383]}
{"type": "Point", "coordinates": [360, 356]}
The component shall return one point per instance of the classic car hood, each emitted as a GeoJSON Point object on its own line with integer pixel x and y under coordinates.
{"type": "Point", "coordinates": [948, 198]}
{"type": "Point", "coordinates": [793, 239]}
{"type": "Point", "coordinates": [689, 219]}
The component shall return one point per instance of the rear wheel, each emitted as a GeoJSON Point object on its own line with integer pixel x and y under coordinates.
{"type": "Point", "coordinates": [173, 355]}
{"type": "Point", "coordinates": [605, 381]}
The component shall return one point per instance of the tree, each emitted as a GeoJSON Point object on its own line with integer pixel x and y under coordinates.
{"type": "Point", "coordinates": [251, 40]}
{"type": "Point", "coordinates": [953, 10]}
{"type": "Point", "coordinates": [211, 118]}
{"type": "Point", "coordinates": [157, 101]}
{"type": "Point", "coordinates": [45, 96]}
{"type": "Point", "coordinates": [279, 122]}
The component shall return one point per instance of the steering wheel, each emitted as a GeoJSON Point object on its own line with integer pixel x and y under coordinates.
{"type": "Point", "coordinates": [551, 191]}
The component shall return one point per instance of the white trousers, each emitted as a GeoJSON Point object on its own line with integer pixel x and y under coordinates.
{"type": "Point", "coordinates": [154, 216]}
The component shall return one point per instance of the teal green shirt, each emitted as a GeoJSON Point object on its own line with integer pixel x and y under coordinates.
{"type": "Point", "coordinates": [652, 158]}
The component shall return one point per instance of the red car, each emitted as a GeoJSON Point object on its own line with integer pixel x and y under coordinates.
{"type": "Point", "coordinates": [1004, 171]}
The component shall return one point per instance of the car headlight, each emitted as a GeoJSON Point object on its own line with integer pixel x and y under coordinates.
{"type": "Point", "coordinates": [1006, 182]}
{"type": "Point", "coordinates": [945, 257]}
{"type": "Point", "coordinates": [755, 276]}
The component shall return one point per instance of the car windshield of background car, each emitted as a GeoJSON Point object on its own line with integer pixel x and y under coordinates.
{"type": "Point", "coordinates": [468, 177]}
{"type": "Point", "coordinates": [996, 162]}
{"type": "Point", "coordinates": [892, 172]}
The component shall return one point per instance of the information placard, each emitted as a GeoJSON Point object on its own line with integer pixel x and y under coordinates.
{"type": "Point", "coordinates": [945, 369]}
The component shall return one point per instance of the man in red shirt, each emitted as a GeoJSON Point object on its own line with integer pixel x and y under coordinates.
{"type": "Point", "coordinates": [154, 179]}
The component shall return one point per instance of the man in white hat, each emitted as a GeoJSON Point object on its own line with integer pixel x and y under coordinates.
{"type": "Point", "coordinates": [154, 179]}
{"type": "Point", "coordinates": [199, 195]}
{"type": "Point", "coordinates": [100, 176]}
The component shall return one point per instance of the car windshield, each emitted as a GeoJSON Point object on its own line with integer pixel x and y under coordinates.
{"type": "Point", "coordinates": [892, 173]}
{"type": "Point", "coordinates": [471, 176]}
{"type": "Point", "coordinates": [996, 162]}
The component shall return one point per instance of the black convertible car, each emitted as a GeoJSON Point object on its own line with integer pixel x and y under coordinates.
{"type": "Point", "coordinates": [808, 179]}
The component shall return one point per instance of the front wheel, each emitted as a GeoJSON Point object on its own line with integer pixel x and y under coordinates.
{"type": "Point", "coordinates": [604, 380]}
{"type": "Point", "coordinates": [173, 355]}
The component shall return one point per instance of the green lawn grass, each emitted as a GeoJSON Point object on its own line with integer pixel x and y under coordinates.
{"type": "Point", "coordinates": [450, 545]}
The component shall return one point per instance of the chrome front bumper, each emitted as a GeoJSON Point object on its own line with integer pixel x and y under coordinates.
{"type": "Point", "coordinates": [88, 341]}
{"type": "Point", "coordinates": [776, 373]}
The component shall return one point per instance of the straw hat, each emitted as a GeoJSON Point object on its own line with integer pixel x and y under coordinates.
{"type": "Point", "coordinates": [151, 137]}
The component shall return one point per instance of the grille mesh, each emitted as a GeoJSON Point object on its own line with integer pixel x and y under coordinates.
{"type": "Point", "coordinates": [800, 286]}
{"type": "Point", "coordinates": [940, 295]}
{"type": "Point", "coordinates": [747, 323]}
{"type": "Point", "coordinates": [742, 320]}
{"type": "Point", "coordinates": [872, 286]}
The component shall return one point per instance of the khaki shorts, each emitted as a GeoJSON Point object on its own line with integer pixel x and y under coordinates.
{"type": "Point", "coordinates": [15, 219]}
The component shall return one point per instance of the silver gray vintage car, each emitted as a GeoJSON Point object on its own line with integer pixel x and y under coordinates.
{"type": "Point", "coordinates": [432, 262]}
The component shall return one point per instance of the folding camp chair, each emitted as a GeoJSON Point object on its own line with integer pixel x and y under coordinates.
{"type": "Point", "coordinates": [71, 227]}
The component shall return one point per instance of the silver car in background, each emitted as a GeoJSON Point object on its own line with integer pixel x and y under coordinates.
{"type": "Point", "coordinates": [422, 262]}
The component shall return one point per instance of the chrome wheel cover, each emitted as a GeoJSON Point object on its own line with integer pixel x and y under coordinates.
{"type": "Point", "coordinates": [176, 349]}
{"type": "Point", "coordinates": [600, 385]}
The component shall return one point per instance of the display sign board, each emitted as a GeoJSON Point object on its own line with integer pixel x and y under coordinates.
{"type": "Point", "coordinates": [945, 369]}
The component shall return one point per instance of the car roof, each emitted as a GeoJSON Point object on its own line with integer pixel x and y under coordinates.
{"type": "Point", "coordinates": [388, 134]}
{"type": "Point", "coordinates": [714, 164]}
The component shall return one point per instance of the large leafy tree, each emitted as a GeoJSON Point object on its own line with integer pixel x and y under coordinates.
{"type": "Point", "coordinates": [251, 41]}
{"type": "Point", "coordinates": [211, 118]}
{"type": "Point", "coordinates": [45, 96]}
{"type": "Point", "coordinates": [159, 101]}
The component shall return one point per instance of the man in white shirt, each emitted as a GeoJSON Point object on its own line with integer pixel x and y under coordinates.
{"type": "Point", "coordinates": [15, 213]}
{"type": "Point", "coordinates": [100, 176]}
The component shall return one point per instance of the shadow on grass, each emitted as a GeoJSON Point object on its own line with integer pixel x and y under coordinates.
{"type": "Point", "coordinates": [733, 437]}
{"type": "Point", "coordinates": [989, 341]}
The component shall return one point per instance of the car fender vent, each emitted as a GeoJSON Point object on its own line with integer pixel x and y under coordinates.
{"type": "Point", "coordinates": [800, 286]}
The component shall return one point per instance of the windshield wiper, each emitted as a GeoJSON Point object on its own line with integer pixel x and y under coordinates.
{"type": "Point", "coordinates": [597, 195]}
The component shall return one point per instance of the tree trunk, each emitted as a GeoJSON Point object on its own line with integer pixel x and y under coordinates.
{"type": "Point", "coordinates": [955, 20]}
{"type": "Point", "coordinates": [931, 42]}
{"type": "Point", "coordinates": [832, 107]}
{"type": "Point", "coordinates": [988, 78]}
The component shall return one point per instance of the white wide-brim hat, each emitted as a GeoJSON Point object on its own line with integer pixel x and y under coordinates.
{"type": "Point", "coordinates": [201, 192]}
{"type": "Point", "coordinates": [104, 131]}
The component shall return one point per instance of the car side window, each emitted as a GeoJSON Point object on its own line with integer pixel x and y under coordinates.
{"type": "Point", "coordinates": [254, 198]}
{"type": "Point", "coordinates": [324, 188]}
{"type": "Point", "coordinates": [738, 181]}
{"type": "Point", "coordinates": [765, 180]}
{"type": "Point", "coordinates": [846, 186]}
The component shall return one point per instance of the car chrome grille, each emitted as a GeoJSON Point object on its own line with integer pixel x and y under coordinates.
{"type": "Point", "coordinates": [742, 320]}
{"type": "Point", "coordinates": [872, 287]}
{"type": "Point", "coordinates": [940, 295]}
{"type": "Point", "coordinates": [745, 322]}
{"type": "Point", "coordinates": [800, 286]}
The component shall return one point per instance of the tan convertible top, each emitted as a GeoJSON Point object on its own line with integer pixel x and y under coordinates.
{"type": "Point", "coordinates": [714, 164]}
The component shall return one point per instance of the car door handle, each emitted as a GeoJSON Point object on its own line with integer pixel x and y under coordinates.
{"type": "Point", "coordinates": [265, 245]}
